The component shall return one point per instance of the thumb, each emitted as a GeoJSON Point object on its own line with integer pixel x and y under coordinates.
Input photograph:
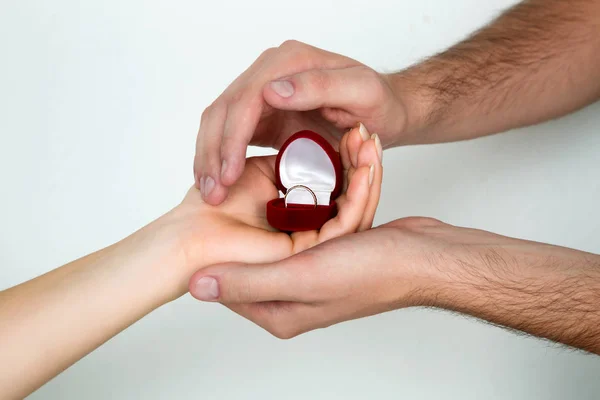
{"type": "Point", "coordinates": [245, 283]}
{"type": "Point", "coordinates": [318, 88]}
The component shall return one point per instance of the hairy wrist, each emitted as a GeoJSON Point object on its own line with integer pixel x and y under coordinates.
{"type": "Point", "coordinates": [416, 101]}
{"type": "Point", "coordinates": [537, 61]}
{"type": "Point", "coordinates": [543, 290]}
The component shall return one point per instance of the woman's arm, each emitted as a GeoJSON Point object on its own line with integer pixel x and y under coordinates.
{"type": "Point", "coordinates": [538, 61]}
{"type": "Point", "coordinates": [50, 322]}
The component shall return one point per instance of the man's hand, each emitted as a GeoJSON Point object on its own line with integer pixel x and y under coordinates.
{"type": "Point", "coordinates": [289, 88]}
{"type": "Point", "coordinates": [537, 61]}
{"type": "Point", "coordinates": [547, 291]}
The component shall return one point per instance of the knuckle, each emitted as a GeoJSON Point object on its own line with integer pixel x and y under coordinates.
{"type": "Point", "coordinates": [280, 320]}
{"type": "Point", "coordinates": [236, 96]}
{"type": "Point", "coordinates": [371, 75]}
{"type": "Point", "coordinates": [283, 332]}
{"type": "Point", "coordinates": [416, 223]}
{"type": "Point", "coordinates": [206, 113]}
{"type": "Point", "coordinates": [267, 53]}
{"type": "Point", "coordinates": [211, 147]}
{"type": "Point", "coordinates": [293, 51]}
{"type": "Point", "coordinates": [214, 109]}
{"type": "Point", "coordinates": [242, 292]}
{"type": "Point", "coordinates": [290, 44]}
{"type": "Point", "coordinates": [376, 90]}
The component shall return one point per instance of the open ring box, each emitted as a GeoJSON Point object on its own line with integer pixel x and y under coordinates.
{"type": "Point", "coordinates": [308, 172]}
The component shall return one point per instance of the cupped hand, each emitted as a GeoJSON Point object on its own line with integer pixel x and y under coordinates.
{"type": "Point", "coordinates": [349, 277]}
{"type": "Point", "coordinates": [417, 262]}
{"type": "Point", "coordinates": [290, 88]}
{"type": "Point", "coordinates": [237, 230]}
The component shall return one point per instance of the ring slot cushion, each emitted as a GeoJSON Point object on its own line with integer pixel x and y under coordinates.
{"type": "Point", "coordinates": [306, 159]}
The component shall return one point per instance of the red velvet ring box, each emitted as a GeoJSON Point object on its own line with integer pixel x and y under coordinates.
{"type": "Point", "coordinates": [308, 171]}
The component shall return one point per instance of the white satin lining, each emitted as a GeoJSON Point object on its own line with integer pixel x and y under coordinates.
{"type": "Point", "coordinates": [304, 162]}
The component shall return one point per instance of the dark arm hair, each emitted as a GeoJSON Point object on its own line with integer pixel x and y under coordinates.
{"type": "Point", "coordinates": [537, 61]}
{"type": "Point", "coordinates": [546, 291]}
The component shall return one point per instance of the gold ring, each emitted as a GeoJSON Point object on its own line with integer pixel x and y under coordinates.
{"type": "Point", "coordinates": [296, 187]}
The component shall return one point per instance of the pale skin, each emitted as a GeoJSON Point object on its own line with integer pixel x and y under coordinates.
{"type": "Point", "coordinates": [537, 61]}
{"type": "Point", "coordinates": [51, 321]}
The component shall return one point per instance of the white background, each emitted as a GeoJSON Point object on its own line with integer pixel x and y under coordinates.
{"type": "Point", "coordinates": [99, 107]}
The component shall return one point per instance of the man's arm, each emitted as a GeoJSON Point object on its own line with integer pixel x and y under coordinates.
{"type": "Point", "coordinates": [539, 60]}
{"type": "Point", "coordinates": [546, 291]}
{"type": "Point", "coordinates": [543, 290]}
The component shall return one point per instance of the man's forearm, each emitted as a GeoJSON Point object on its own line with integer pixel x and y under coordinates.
{"type": "Point", "coordinates": [538, 61]}
{"type": "Point", "coordinates": [546, 291]}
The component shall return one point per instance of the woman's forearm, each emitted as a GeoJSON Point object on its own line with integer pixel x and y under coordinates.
{"type": "Point", "coordinates": [50, 322]}
{"type": "Point", "coordinates": [538, 61]}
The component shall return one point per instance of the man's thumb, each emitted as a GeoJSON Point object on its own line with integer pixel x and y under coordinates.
{"type": "Point", "coordinates": [243, 283]}
{"type": "Point", "coordinates": [317, 88]}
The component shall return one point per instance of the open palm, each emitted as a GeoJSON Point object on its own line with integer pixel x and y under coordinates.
{"type": "Point", "coordinates": [238, 230]}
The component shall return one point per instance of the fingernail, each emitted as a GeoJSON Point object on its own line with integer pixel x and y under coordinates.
{"type": "Point", "coordinates": [375, 137]}
{"type": "Point", "coordinates": [371, 174]}
{"type": "Point", "coordinates": [202, 186]}
{"type": "Point", "coordinates": [209, 184]}
{"type": "Point", "coordinates": [364, 133]}
{"type": "Point", "coordinates": [283, 88]}
{"type": "Point", "coordinates": [223, 168]}
{"type": "Point", "coordinates": [207, 289]}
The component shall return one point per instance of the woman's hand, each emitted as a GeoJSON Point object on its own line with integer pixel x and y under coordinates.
{"type": "Point", "coordinates": [82, 304]}
{"type": "Point", "coordinates": [238, 230]}
{"type": "Point", "coordinates": [289, 88]}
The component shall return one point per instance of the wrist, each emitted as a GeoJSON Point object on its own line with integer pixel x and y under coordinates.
{"type": "Point", "coordinates": [194, 235]}
{"type": "Point", "coordinates": [413, 276]}
{"type": "Point", "coordinates": [544, 290]}
{"type": "Point", "coordinates": [166, 251]}
{"type": "Point", "coordinates": [416, 102]}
